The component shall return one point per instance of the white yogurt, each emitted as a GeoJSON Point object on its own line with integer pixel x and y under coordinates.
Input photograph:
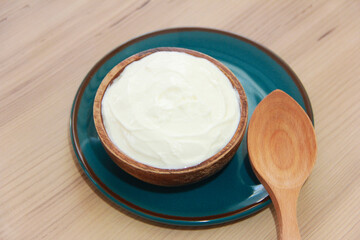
{"type": "Point", "coordinates": [171, 110]}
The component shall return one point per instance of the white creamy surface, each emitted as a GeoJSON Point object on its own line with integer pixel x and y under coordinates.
{"type": "Point", "coordinates": [171, 110]}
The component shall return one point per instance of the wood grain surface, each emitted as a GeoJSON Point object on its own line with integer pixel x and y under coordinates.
{"type": "Point", "coordinates": [47, 48]}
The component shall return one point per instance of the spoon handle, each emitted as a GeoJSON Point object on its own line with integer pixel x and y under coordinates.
{"type": "Point", "coordinates": [285, 205]}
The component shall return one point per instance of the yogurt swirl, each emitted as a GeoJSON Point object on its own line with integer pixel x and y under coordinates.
{"type": "Point", "coordinates": [171, 110]}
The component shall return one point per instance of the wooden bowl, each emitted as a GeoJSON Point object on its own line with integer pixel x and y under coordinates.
{"type": "Point", "coordinates": [170, 177]}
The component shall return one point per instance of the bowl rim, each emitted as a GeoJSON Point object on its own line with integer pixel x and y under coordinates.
{"type": "Point", "coordinates": [121, 157]}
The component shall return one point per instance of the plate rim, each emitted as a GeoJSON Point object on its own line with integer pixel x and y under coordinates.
{"type": "Point", "coordinates": [159, 217]}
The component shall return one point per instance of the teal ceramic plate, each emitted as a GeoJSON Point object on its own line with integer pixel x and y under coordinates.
{"type": "Point", "coordinates": [232, 193]}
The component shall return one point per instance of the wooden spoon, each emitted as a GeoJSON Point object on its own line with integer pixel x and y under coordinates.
{"type": "Point", "coordinates": [282, 150]}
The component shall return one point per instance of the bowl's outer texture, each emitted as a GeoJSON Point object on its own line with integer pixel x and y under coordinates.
{"type": "Point", "coordinates": [170, 177]}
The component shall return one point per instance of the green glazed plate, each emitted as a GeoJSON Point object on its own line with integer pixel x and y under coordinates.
{"type": "Point", "coordinates": [231, 194]}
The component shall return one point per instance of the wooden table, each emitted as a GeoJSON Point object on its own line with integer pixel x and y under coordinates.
{"type": "Point", "coordinates": [48, 47]}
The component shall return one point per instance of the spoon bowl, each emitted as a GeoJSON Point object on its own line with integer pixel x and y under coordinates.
{"type": "Point", "coordinates": [282, 150]}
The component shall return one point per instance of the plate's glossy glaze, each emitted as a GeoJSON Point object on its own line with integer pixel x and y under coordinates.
{"type": "Point", "coordinates": [232, 193]}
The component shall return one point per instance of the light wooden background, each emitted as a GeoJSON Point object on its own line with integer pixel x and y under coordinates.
{"type": "Point", "coordinates": [47, 48]}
